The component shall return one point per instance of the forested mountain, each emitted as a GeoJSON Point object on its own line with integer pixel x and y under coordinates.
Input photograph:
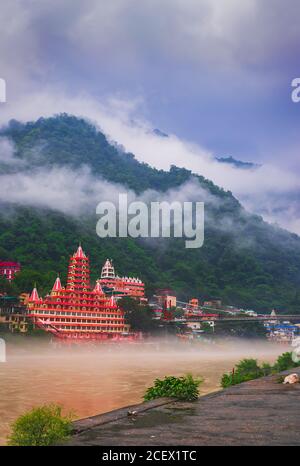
{"type": "Point", "coordinates": [244, 260]}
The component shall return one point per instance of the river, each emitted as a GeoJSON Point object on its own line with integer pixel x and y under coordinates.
{"type": "Point", "coordinates": [92, 381]}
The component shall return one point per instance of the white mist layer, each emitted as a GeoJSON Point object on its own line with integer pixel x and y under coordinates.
{"type": "Point", "coordinates": [259, 189]}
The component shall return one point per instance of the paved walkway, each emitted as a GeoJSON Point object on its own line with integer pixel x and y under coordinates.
{"type": "Point", "coordinates": [259, 412]}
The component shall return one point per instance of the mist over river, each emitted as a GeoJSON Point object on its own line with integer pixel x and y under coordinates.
{"type": "Point", "coordinates": [89, 381]}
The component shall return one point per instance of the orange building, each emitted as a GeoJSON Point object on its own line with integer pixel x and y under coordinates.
{"type": "Point", "coordinates": [76, 311]}
{"type": "Point", "coordinates": [121, 286]}
{"type": "Point", "coordinates": [166, 298]}
{"type": "Point", "coordinates": [194, 302]}
{"type": "Point", "coordinates": [192, 308]}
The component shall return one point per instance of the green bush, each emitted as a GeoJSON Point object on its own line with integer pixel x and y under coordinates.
{"type": "Point", "coordinates": [248, 369]}
{"type": "Point", "coordinates": [233, 378]}
{"type": "Point", "coordinates": [184, 388]}
{"type": "Point", "coordinates": [44, 425]}
{"type": "Point", "coordinates": [266, 369]}
{"type": "Point", "coordinates": [284, 362]}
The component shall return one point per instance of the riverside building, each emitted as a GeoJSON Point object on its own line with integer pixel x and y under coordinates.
{"type": "Point", "coordinates": [121, 286]}
{"type": "Point", "coordinates": [77, 312]}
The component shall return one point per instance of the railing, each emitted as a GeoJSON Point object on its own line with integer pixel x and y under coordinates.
{"type": "Point", "coordinates": [265, 317]}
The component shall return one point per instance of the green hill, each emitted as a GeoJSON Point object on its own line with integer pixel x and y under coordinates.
{"type": "Point", "coordinates": [244, 260]}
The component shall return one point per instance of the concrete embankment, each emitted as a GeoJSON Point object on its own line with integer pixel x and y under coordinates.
{"type": "Point", "coordinates": [259, 412]}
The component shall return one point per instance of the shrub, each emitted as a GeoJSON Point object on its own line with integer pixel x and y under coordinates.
{"type": "Point", "coordinates": [248, 369]}
{"type": "Point", "coordinates": [184, 388]}
{"type": "Point", "coordinates": [266, 369]}
{"type": "Point", "coordinates": [233, 378]}
{"type": "Point", "coordinates": [284, 362]}
{"type": "Point", "coordinates": [44, 425]}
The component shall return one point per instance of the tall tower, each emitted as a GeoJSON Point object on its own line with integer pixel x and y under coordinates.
{"type": "Point", "coordinates": [79, 272]}
{"type": "Point", "coordinates": [77, 312]}
{"type": "Point", "coordinates": [108, 270]}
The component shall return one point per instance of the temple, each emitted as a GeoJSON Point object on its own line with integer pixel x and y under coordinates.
{"type": "Point", "coordinates": [121, 286]}
{"type": "Point", "coordinates": [8, 269]}
{"type": "Point", "coordinates": [76, 311]}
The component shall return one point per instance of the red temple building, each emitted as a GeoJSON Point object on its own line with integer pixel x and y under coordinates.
{"type": "Point", "coordinates": [121, 286]}
{"type": "Point", "coordinates": [76, 311]}
{"type": "Point", "coordinates": [8, 269]}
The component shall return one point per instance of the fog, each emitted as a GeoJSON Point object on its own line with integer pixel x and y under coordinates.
{"type": "Point", "coordinates": [91, 380]}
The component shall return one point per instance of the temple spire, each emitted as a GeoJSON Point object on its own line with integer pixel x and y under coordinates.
{"type": "Point", "coordinates": [98, 288]}
{"type": "Point", "coordinates": [79, 271]}
{"type": "Point", "coordinates": [108, 270]}
{"type": "Point", "coordinates": [79, 254]}
{"type": "Point", "coordinates": [34, 295]}
{"type": "Point", "coordinates": [57, 285]}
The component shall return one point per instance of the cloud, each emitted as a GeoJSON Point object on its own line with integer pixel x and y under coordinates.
{"type": "Point", "coordinates": [129, 32]}
{"type": "Point", "coordinates": [7, 153]}
{"type": "Point", "coordinates": [259, 190]}
{"type": "Point", "coordinates": [78, 192]}
{"type": "Point", "coordinates": [72, 192]}
{"type": "Point", "coordinates": [221, 78]}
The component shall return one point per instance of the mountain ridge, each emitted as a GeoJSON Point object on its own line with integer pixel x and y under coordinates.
{"type": "Point", "coordinates": [244, 260]}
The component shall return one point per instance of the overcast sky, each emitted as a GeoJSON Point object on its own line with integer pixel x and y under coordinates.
{"type": "Point", "coordinates": [215, 74]}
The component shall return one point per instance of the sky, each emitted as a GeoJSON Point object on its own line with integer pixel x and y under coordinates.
{"type": "Point", "coordinates": [215, 75]}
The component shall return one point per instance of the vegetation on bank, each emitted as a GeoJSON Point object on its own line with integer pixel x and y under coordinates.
{"type": "Point", "coordinates": [240, 329]}
{"type": "Point", "coordinates": [184, 388]}
{"type": "Point", "coordinates": [139, 316]}
{"type": "Point", "coordinates": [285, 362]}
{"type": "Point", "coordinates": [244, 261]}
{"type": "Point", "coordinates": [42, 426]}
{"type": "Point", "coordinates": [248, 369]}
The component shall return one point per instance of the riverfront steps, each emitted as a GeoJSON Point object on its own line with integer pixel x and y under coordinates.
{"type": "Point", "coordinates": [259, 412]}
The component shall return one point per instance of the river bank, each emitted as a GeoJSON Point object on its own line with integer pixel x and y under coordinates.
{"type": "Point", "coordinates": [258, 412]}
{"type": "Point", "coordinates": [96, 380]}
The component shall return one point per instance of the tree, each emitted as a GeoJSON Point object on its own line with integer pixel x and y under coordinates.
{"type": "Point", "coordinates": [241, 329]}
{"type": "Point", "coordinates": [5, 286]}
{"type": "Point", "coordinates": [139, 316]}
{"type": "Point", "coordinates": [206, 327]}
